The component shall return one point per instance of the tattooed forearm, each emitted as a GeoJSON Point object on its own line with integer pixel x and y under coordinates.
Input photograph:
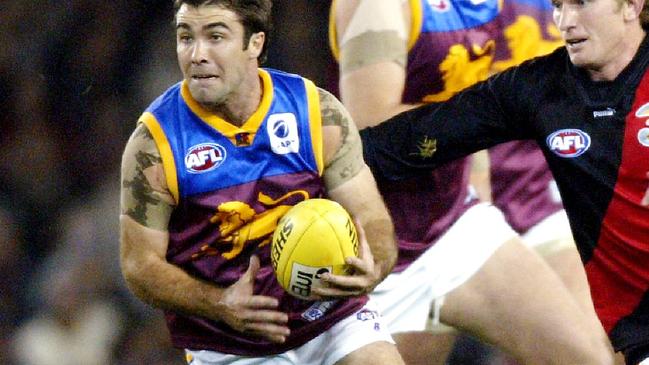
{"type": "Point", "coordinates": [347, 160]}
{"type": "Point", "coordinates": [144, 196]}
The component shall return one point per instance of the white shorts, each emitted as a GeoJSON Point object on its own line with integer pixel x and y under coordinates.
{"type": "Point", "coordinates": [405, 298]}
{"type": "Point", "coordinates": [644, 362]}
{"type": "Point", "coordinates": [359, 329]}
{"type": "Point", "coordinates": [550, 235]}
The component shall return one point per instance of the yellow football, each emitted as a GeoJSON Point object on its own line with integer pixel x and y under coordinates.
{"type": "Point", "coordinates": [313, 237]}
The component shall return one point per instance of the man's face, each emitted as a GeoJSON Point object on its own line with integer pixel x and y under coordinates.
{"type": "Point", "coordinates": [593, 30]}
{"type": "Point", "coordinates": [210, 50]}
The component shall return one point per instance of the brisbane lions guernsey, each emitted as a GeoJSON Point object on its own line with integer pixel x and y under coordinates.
{"type": "Point", "coordinates": [595, 138]}
{"type": "Point", "coordinates": [232, 184]}
{"type": "Point", "coordinates": [521, 182]}
{"type": "Point", "coordinates": [450, 47]}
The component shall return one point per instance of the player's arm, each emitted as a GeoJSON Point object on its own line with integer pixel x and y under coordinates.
{"type": "Point", "coordinates": [417, 141]}
{"type": "Point", "coordinates": [372, 37]}
{"type": "Point", "coordinates": [349, 181]}
{"type": "Point", "coordinates": [146, 206]}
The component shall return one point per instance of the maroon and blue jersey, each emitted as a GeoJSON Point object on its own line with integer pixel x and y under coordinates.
{"type": "Point", "coordinates": [595, 138]}
{"type": "Point", "coordinates": [231, 185]}
{"type": "Point", "coordinates": [451, 47]}
{"type": "Point", "coordinates": [521, 182]}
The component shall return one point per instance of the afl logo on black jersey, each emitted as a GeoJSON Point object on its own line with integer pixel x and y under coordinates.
{"type": "Point", "coordinates": [204, 157]}
{"type": "Point", "coordinates": [568, 143]}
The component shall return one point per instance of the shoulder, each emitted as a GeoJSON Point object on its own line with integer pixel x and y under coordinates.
{"type": "Point", "coordinates": [145, 196]}
{"type": "Point", "coordinates": [343, 154]}
{"type": "Point", "coordinates": [534, 75]}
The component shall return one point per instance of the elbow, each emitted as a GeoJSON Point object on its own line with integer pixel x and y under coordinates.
{"type": "Point", "coordinates": [134, 271]}
{"type": "Point", "coordinates": [130, 272]}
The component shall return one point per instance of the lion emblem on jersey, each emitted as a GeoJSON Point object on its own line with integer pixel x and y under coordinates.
{"type": "Point", "coordinates": [462, 68]}
{"type": "Point", "coordinates": [525, 40]}
{"type": "Point", "coordinates": [240, 224]}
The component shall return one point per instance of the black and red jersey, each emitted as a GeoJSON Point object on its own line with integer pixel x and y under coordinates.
{"type": "Point", "coordinates": [595, 137]}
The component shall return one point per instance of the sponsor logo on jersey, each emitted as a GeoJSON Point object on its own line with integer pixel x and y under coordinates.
{"type": "Point", "coordinates": [643, 137]}
{"type": "Point", "coordinates": [282, 131]}
{"type": "Point", "coordinates": [204, 157]}
{"type": "Point", "coordinates": [608, 112]}
{"type": "Point", "coordinates": [643, 111]}
{"type": "Point", "coordinates": [367, 315]}
{"type": "Point", "coordinates": [317, 310]}
{"type": "Point", "coordinates": [440, 5]}
{"type": "Point", "coordinates": [568, 143]}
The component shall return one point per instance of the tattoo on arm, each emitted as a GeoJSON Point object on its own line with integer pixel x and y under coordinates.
{"type": "Point", "coordinates": [347, 157]}
{"type": "Point", "coordinates": [144, 193]}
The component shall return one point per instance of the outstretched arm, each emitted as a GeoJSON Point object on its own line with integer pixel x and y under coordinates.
{"type": "Point", "coordinates": [349, 181]}
{"type": "Point", "coordinates": [146, 206]}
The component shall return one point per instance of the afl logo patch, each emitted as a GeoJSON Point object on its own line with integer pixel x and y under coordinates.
{"type": "Point", "coordinates": [204, 157]}
{"type": "Point", "coordinates": [568, 143]}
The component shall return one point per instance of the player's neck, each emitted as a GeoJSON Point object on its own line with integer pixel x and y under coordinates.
{"type": "Point", "coordinates": [241, 104]}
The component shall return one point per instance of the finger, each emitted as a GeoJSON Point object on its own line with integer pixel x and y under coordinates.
{"type": "Point", "coordinates": [330, 293]}
{"type": "Point", "coordinates": [265, 316]}
{"type": "Point", "coordinates": [345, 282]}
{"type": "Point", "coordinates": [357, 266]}
{"type": "Point", "coordinates": [265, 328]}
{"type": "Point", "coordinates": [257, 302]}
{"type": "Point", "coordinates": [274, 334]}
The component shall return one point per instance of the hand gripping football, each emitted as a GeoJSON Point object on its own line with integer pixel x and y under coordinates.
{"type": "Point", "coordinates": [313, 237]}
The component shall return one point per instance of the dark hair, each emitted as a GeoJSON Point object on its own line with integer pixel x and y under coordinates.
{"type": "Point", "coordinates": [644, 16]}
{"type": "Point", "coordinates": [255, 16]}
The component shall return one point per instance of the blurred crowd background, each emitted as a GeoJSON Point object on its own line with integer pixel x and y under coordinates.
{"type": "Point", "coordinates": [74, 77]}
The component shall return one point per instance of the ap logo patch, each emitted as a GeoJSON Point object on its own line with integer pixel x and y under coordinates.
{"type": "Point", "coordinates": [282, 132]}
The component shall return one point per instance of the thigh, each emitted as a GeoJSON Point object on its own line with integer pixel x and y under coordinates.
{"type": "Point", "coordinates": [552, 239]}
{"type": "Point", "coordinates": [405, 298]}
{"type": "Point", "coordinates": [374, 353]}
{"type": "Point", "coordinates": [204, 357]}
{"type": "Point", "coordinates": [518, 303]}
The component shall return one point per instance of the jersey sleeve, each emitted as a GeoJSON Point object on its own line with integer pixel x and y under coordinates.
{"type": "Point", "coordinates": [418, 140]}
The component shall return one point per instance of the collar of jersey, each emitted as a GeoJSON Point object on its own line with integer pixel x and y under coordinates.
{"type": "Point", "coordinates": [226, 128]}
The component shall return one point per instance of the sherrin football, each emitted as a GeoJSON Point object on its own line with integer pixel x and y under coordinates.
{"type": "Point", "coordinates": [313, 237]}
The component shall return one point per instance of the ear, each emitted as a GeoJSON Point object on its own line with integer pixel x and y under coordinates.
{"type": "Point", "coordinates": [256, 44]}
{"type": "Point", "coordinates": [631, 9]}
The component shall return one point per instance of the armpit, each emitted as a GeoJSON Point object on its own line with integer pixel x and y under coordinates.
{"type": "Point", "coordinates": [145, 196]}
